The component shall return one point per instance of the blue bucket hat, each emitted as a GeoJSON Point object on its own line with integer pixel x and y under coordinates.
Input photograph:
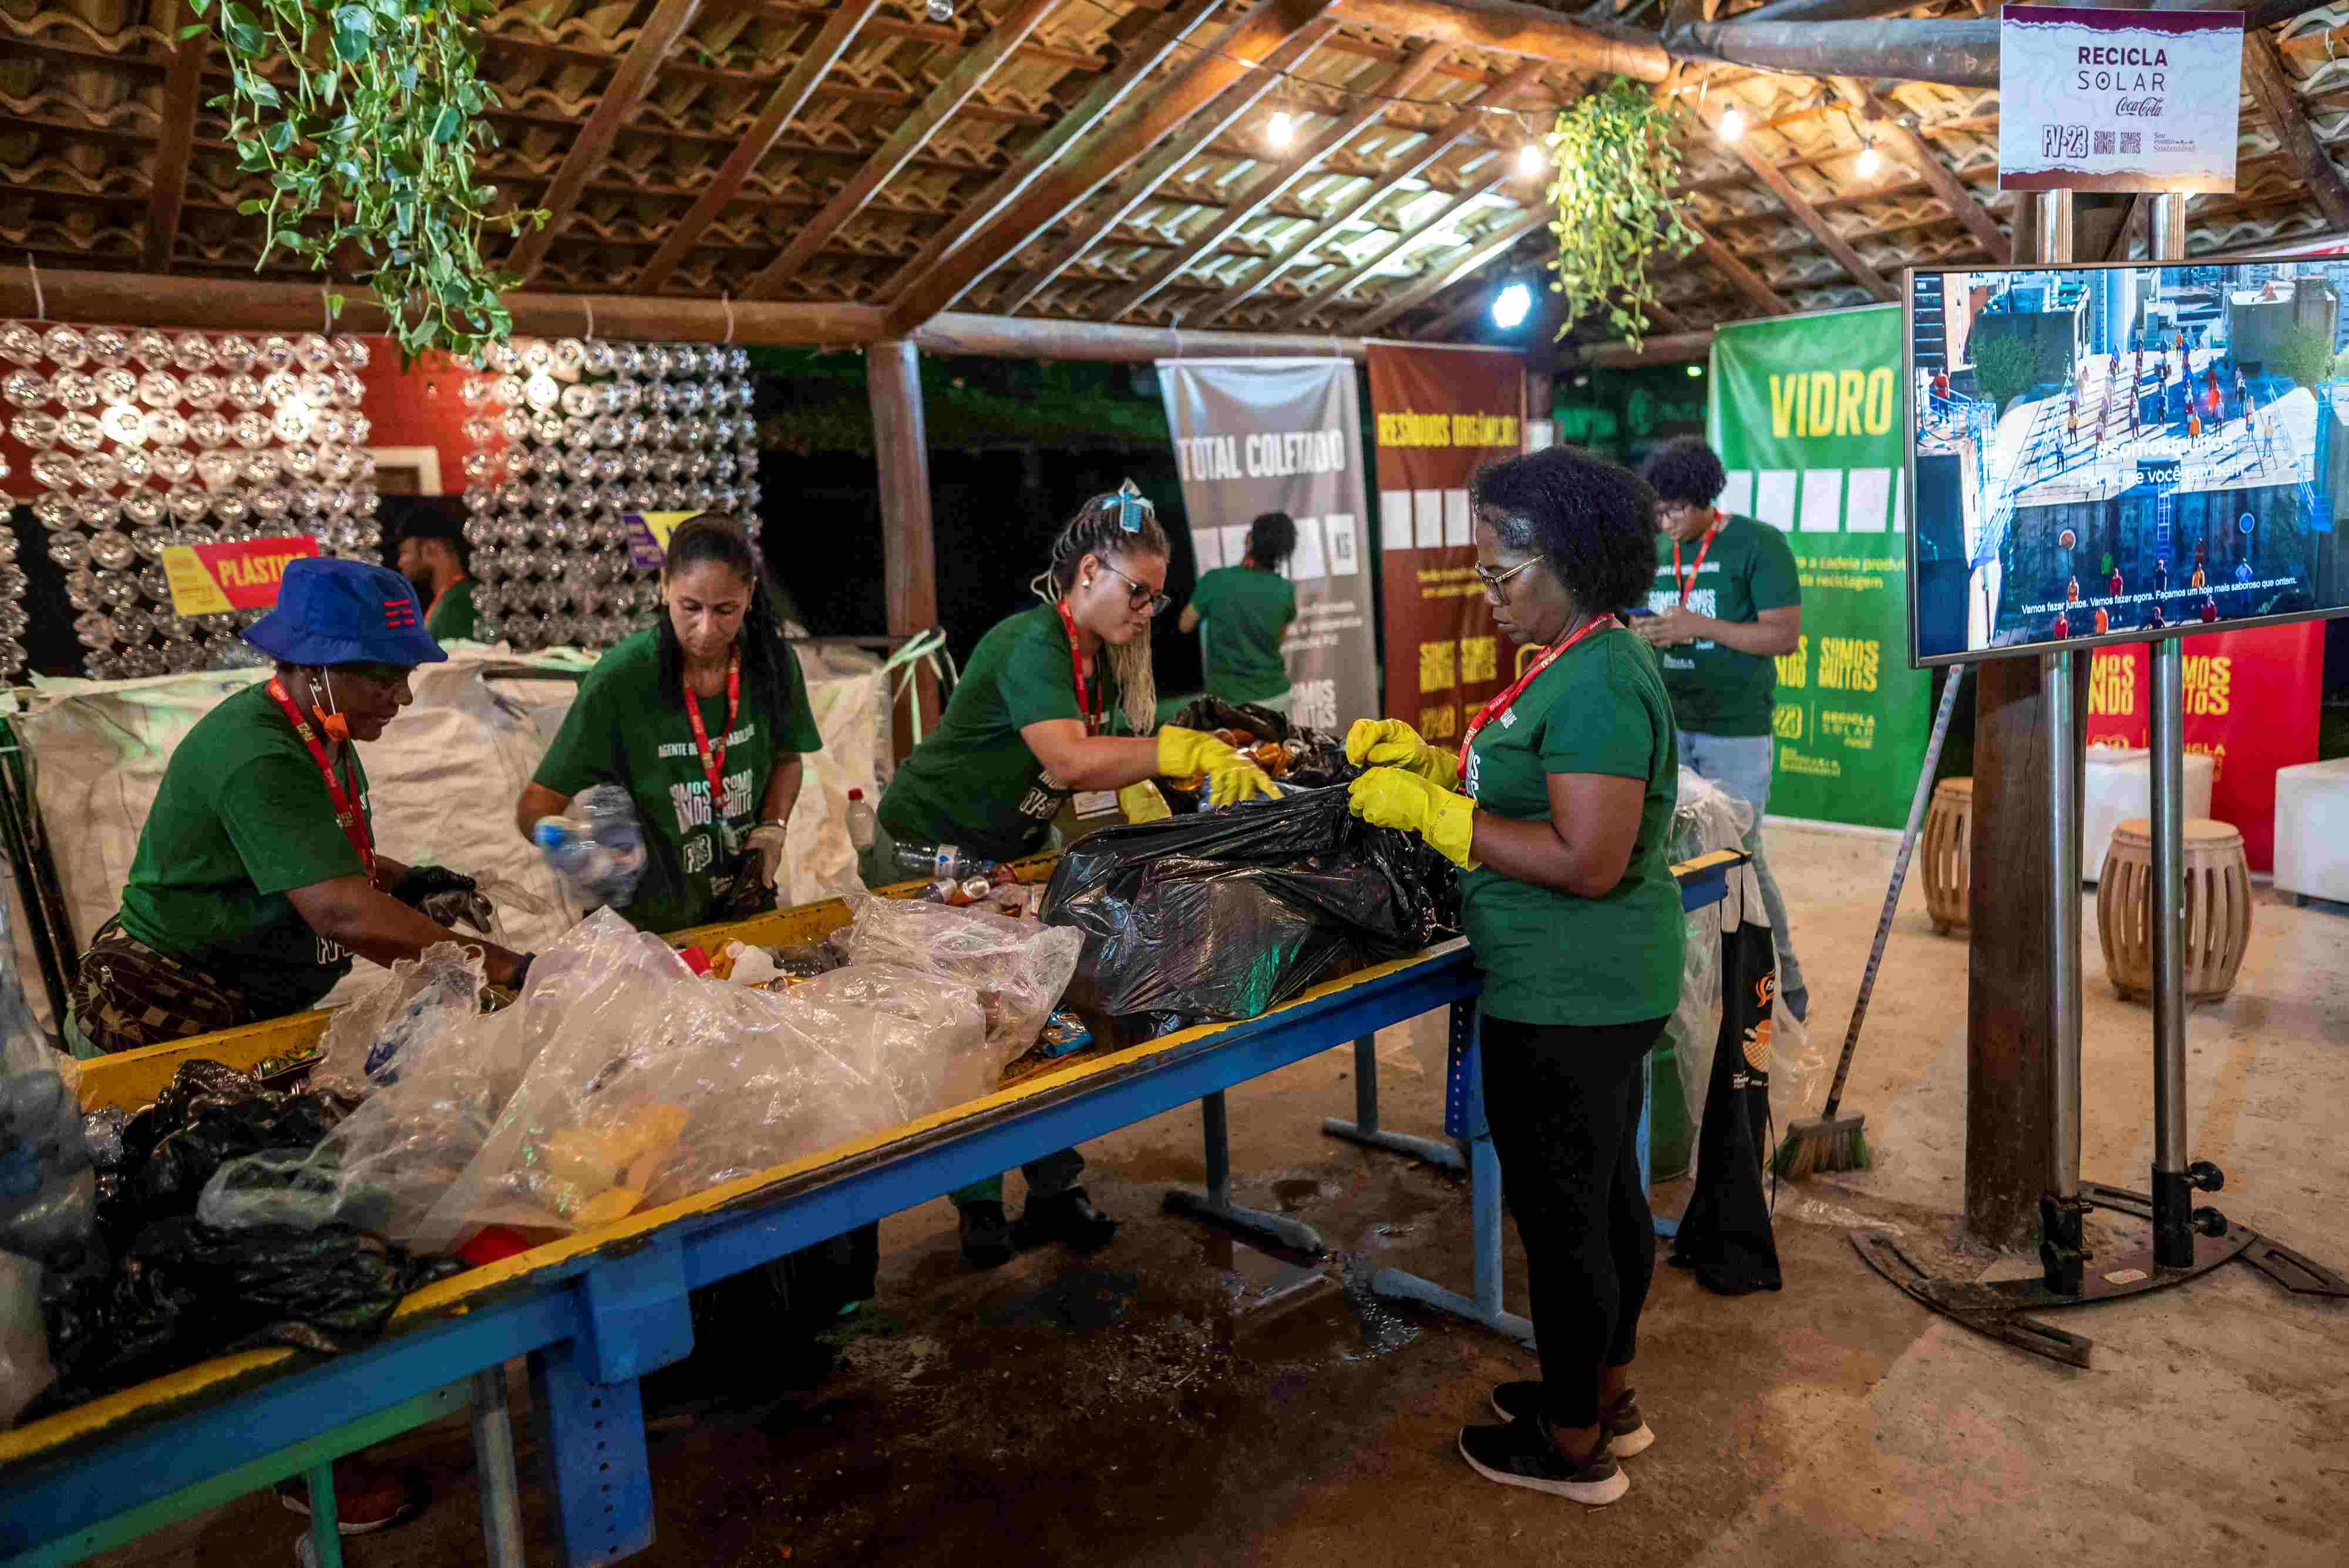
{"type": "Point", "coordinates": [343, 612]}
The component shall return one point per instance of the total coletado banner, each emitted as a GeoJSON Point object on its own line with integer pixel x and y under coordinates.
{"type": "Point", "coordinates": [1253, 436]}
{"type": "Point", "coordinates": [1442, 413]}
{"type": "Point", "coordinates": [1806, 413]}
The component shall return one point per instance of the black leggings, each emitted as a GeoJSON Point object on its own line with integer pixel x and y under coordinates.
{"type": "Point", "coordinates": [1563, 1103]}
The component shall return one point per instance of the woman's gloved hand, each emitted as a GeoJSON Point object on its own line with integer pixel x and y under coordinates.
{"type": "Point", "coordinates": [449, 897]}
{"type": "Point", "coordinates": [1231, 777]}
{"type": "Point", "coordinates": [1397, 797]}
{"type": "Point", "coordinates": [767, 838]}
{"type": "Point", "coordinates": [1391, 743]}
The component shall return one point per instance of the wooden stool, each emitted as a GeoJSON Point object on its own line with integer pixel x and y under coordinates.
{"type": "Point", "coordinates": [2217, 908]}
{"type": "Point", "coordinates": [1948, 853]}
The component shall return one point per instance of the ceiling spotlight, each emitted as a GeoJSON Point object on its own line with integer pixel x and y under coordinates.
{"type": "Point", "coordinates": [1509, 307]}
{"type": "Point", "coordinates": [1696, 370]}
{"type": "Point", "coordinates": [1733, 126]}
{"type": "Point", "coordinates": [1869, 160]}
{"type": "Point", "coordinates": [1281, 128]}
{"type": "Point", "coordinates": [940, 10]}
{"type": "Point", "coordinates": [1529, 158]}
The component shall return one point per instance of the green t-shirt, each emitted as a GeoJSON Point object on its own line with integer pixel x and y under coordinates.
{"type": "Point", "coordinates": [1242, 614]}
{"type": "Point", "coordinates": [242, 819]}
{"type": "Point", "coordinates": [627, 728]}
{"type": "Point", "coordinates": [1549, 957]}
{"type": "Point", "coordinates": [1748, 568]}
{"type": "Point", "coordinates": [452, 615]}
{"type": "Point", "coordinates": [974, 783]}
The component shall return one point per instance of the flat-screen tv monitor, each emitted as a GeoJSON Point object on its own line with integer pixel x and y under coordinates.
{"type": "Point", "coordinates": [2111, 453]}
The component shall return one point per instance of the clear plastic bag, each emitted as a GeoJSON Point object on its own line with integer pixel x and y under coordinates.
{"type": "Point", "coordinates": [422, 997]}
{"type": "Point", "coordinates": [598, 848]}
{"type": "Point", "coordinates": [24, 1368]}
{"type": "Point", "coordinates": [1019, 968]}
{"type": "Point", "coordinates": [1706, 818]}
{"type": "Point", "coordinates": [48, 1192]}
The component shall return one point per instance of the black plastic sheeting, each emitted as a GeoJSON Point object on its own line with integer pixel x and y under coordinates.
{"type": "Point", "coordinates": [1225, 914]}
{"type": "Point", "coordinates": [154, 1288]}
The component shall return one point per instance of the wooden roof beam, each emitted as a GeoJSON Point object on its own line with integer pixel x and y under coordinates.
{"type": "Point", "coordinates": [1313, 303]}
{"type": "Point", "coordinates": [783, 105]}
{"type": "Point", "coordinates": [1415, 164]}
{"type": "Point", "coordinates": [1195, 138]}
{"type": "Point", "coordinates": [168, 189]}
{"type": "Point", "coordinates": [1445, 273]}
{"type": "Point", "coordinates": [1270, 185]}
{"type": "Point", "coordinates": [1920, 154]}
{"type": "Point", "coordinates": [2271, 86]}
{"type": "Point", "coordinates": [1151, 49]}
{"type": "Point", "coordinates": [1743, 278]}
{"type": "Point", "coordinates": [1506, 28]}
{"type": "Point", "coordinates": [631, 79]}
{"type": "Point", "coordinates": [1271, 25]}
{"type": "Point", "coordinates": [1800, 208]}
{"type": "Point", "coordinates": [913, 133]}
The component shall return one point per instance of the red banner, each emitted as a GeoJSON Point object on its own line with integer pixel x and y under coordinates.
{"type": "Point", "coordinates": [1442, 413]}
{"type": "Point", "coordinates": [2250, 705]}
{"type": "Point", "coordinates": [208, 578]}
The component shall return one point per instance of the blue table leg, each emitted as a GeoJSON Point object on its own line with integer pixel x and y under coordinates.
{"type": "Point", "coordinates": [591, 1446]}
{"type": "Point", "coordinates": [1464, 1118]}
{"type": "Point", "coordinates": [1216, 1203]}
{"type": "Point", "coordinates": [1364, 1129]}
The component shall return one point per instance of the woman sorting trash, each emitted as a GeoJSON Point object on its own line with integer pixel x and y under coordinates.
{"type": "Point", "coordinates": [256, 876]}
{"type": "Point", "coordinates": [1030, 724]}
{"type": "Point", "coordinates": [1557, 808]}
{"type": "Point", "coordinates": [1246, 610]}
{"type": "Point", "coordinates": [703, 720]}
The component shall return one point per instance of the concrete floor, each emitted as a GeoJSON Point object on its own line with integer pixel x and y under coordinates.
{"type": "Point", "coordinates": [1178, 1400]}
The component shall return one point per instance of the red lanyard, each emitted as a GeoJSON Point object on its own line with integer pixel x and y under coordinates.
{"type": "Point", "coordinates": [354, 825]}
{"type": "Point", "coordinates": [1688, 582]}
{"type": "Point", "coordinates": [713, 763]}
{"type": "Point", "coordinates": [1077, 672]}
{"type": "Point", "coordinates": [1500, 705]}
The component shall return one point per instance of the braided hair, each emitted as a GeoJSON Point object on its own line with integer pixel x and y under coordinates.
{"type": "Point", "coordinates": [717, 537]}
{"type": "Point", "coordinates": [1121, 523]}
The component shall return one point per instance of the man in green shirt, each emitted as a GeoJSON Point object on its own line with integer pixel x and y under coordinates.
{"type": "Point", "coordinates": [1246, 610]}
{"type": "Point", "coordinates": [1727, 602]}
{"type": "Point", "coordinates": [432, 556]}
{"type": "Point", "coordinates": [256, 880]}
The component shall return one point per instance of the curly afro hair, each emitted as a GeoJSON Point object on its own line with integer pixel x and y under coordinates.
{"type": "Point", "coordinates": [1272, 539]}
{"type": "Point", "coordinates": [1686, 471]}
{"type": "Point", "coordinates": [1595, 522]}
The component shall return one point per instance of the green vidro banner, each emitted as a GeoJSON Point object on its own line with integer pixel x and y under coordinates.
{"type": "Point", "coordinates": [1806, 414]}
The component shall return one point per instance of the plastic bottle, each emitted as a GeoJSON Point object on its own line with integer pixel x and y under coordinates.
{"type": "Point", "coordinates": [943, 862]}
{"type": "Point", "coordinates": [861, 821]}
{"type": "Point", "coordinates": [600, 845]}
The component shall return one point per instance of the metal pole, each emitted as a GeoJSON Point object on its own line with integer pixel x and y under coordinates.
{"type": "Point", "coordinates": [2173, 1237]}
{"type": "Point", "coordinates": [493, 1463]}
{"type": "Point", "coordinates": [2064, 923]}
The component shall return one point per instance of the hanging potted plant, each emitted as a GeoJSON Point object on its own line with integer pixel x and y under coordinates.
{"type": "Point", "coordinates": [1617, 169]}
{"type": "Point", "coordinates": [367, 119]}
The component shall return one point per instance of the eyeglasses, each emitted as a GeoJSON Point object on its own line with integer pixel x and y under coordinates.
{"type": "Point", "coordinates": [1493, 581]}
{"type": "Point", "coordinates": [1140, 594]}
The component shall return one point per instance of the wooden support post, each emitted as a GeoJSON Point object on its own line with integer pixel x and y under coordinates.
{"type": "Point", "coordinates": [893, 379]}
{"type": "Point", "coordinates": [2011, 1014]}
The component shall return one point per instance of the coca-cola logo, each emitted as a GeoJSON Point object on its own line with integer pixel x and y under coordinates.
{"type": "Point", "coordinates": [2140, 107]}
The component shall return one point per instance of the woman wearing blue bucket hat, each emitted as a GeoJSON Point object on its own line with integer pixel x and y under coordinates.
{"type": "Point", "coordinates": [256, 876]}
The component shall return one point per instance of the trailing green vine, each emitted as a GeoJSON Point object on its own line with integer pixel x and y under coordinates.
{"type": "Point", "coordinates": [366, 116]}
{"type": "Point", "coordinates": [1617, 167]}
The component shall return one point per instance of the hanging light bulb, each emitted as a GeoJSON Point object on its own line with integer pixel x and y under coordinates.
{"type": "Point", "coordinates": [1733, 124]}
{"type": "Point", "coordinates": [1869, 160]}
{"type": "Point", "coordinates": [1529, 158]}
{"type": "Point", "coordinates": [1509, 306]}
{"type": "Point", "coordinates": [1281, 128]}
{"type": "Point", "coordinates": [940, 10]}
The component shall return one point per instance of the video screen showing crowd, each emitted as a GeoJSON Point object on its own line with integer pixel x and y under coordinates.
{"type": "Point", "coordinates": [2122, 452]}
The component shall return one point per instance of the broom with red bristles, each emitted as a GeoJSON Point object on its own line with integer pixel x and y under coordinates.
{"type": "Point", "coordinates": [1828, 1141]}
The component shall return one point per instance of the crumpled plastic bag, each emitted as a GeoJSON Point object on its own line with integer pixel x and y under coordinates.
{"type": "Point", "coordinates": [48, 1192]}
{"type": "Point", "coordinates": [208, 1115]}
{"type": "Point", "coordinates": [1225, 914]}
{"type": "Point", "coordinates": [1019, 969]}
{"type": "Point", "coordinates": [418, 1000]}
{"type": "Point", "coordinates": [24, 1368]}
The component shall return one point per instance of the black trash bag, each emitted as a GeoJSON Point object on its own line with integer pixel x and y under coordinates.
{"type": "Point", "coordinates": [208, 1115]}
{"type": "Point", "coordinates": [1317, 759]}
{"type": "Point", "coordinates": [47, 1187]}
{"type": "Point", "coordinates": [1229, 913]}
{"type": "Point", "coordinates": [1212, 713]}
{"type": "Point", "coordinates": [184, 1290]}
{"type": "Point", "coordinates": [1726, 1236]}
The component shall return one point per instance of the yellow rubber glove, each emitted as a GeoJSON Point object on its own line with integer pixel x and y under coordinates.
{"type": "Point", "coordinates": [1391, 743]}
{"type": "Point", "coordinates": [1188, 754]}
{"type": "Point", "coordinates": [1396, 797]}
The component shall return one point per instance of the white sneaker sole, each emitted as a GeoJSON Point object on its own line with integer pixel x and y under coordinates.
{"type": "Point", "coordinates": [1591, 1494]}
{"type": "Point", "coordinates": [1622, 1448]}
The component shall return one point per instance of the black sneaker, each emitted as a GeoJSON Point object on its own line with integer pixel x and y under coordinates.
{"type": "Point", "coordinates": [1521, 1454]}
{"type": "Point", "coordinates": [986, 1235]}
{"type": "Point", "coordinates": [1067, 1216]}
{"type": "Point", "coordinates": [1626, 1430]}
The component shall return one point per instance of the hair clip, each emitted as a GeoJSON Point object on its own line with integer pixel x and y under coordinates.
{"type": "Point", "coordinates": [1132, 507]}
